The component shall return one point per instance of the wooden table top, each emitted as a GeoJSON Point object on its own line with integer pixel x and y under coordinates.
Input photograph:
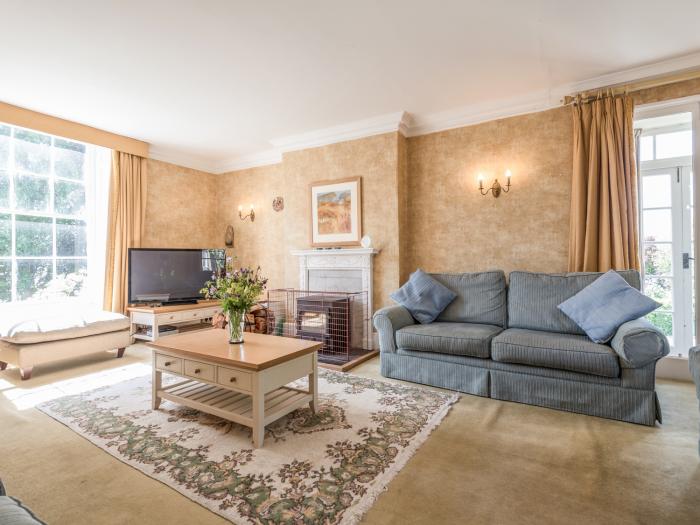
{"type": "Point", "coordinates": [257, 352]}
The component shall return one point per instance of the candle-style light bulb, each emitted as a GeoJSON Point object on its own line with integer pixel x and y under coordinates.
{"type": "Point", "coordinates": [251, 207]}
{"type": "Point", "coordinates": [240, 207]}
{"type": "Point", "coordinates": [508, 174]}
{"type": "Point", "coordinates": [480, 178]}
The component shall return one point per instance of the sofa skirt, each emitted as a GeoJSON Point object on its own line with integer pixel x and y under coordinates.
{"type": "Point", "coordinates": [590, 398]}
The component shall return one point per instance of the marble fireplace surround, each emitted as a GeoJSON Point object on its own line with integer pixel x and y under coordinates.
{"type": "Point", "coordinates": [340, 270]}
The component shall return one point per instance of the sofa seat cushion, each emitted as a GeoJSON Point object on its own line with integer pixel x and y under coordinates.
{"type": "Point", "coordinates": [468, 339]}
{"type": "Point", "coordinates": [55, 327]}
{"type": "Point", "coordinates": [575, 353]}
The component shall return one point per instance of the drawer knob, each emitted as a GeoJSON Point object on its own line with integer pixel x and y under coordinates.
{"type": "Point", "coordinates": [197, 370]}
{"type": "Point", "coordinates": [232, 380]}
{"type": "Point", "coordinates": [167, 363]}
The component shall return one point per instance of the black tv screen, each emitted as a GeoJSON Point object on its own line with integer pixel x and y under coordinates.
{"type": "Point", "coordinates": [157, 275]}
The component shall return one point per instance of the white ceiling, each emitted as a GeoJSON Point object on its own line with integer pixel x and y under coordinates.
{"type": "Point", "coordinates": [209, 82]}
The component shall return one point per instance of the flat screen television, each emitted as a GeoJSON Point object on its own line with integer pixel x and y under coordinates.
{"type": "Point", "coordinates": [171, 275]}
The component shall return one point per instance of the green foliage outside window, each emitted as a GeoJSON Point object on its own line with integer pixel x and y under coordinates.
{"type": "Point", "coordinates": [34, 237]}
{"type": "Point", "coordinates": [5, 281]}
{"type": "Point", "coordinates": [4, 190]}
{"type": "Point", "coordinates": [658, 261]}
{"type": "Point", "coordinates": [5, 235]}
{"type": "Point", "coordinates": [32, 276]}
{"type": "Point", "coordinates": [69, 198]}
{"type": "Point", "coordinates": [69, 159]}
{"type": "Point", "coordinates": [32, 151]}
{"type": "Point", "coordinates": [32, 193]}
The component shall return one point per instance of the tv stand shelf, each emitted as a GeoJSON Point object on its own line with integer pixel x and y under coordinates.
{"type": "Point", "coordinates": [145, 317]}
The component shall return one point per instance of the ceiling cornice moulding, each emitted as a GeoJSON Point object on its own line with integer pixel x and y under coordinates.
{"type": "Point", "coordinates": [178, 158]}
{"type": "Point", "coordinates": [411, 125]}
{"type": "Point", "coordinates": [254, 160]}
{"type": "Point", "coordinates": [344, 132]}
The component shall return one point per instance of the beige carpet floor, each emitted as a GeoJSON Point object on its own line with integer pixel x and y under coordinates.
{"type": "Point", "coordinates": [488, 462]}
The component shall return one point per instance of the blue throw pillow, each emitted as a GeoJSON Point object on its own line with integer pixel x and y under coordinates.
{"type": "Point", "coordinates": [423, 297]}
{"type": "Point", "coordinates": [605, 305]}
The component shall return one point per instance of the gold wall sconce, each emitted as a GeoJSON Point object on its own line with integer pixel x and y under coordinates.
{"type": "Point", "coordinates": [496, 187]}
{"type": "Point", "coordinates": [251, 213]}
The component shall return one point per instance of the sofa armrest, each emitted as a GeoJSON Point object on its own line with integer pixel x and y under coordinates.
{"type": "Point", "coordinates": [638, 343]}
{"type": "Point", "coordinates": [387, 321]}
{"type": "Point", "coordinates": [694, 365]}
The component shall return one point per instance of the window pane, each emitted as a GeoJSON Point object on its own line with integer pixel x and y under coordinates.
{"type": "Point", "coordinates": [676, 144]}
{"type": "Point", "coordinates": [5, 281]}
{"type": "Point", "coordinates": [71, 238]}
{"type": "Point", "coordinates": [656, 191]}
{"type": "Point", "coordinates": [4, 146]}
{"type": "Point", "coordinates": [5, 235]}
{"type": "Point", "coordinates": [32, 151]}
{"type": "Point", "coordinates": [660, 290]}
{"type": "Point", "coordinates": [69, 159]}
{"type": "Point", "coordinates": [657, 225]}
{"type": "Point", "coordinates": [4, 189]}
{"type": "Point", "coordinates": [657, 259]}
{"type": "Point", "coordinates": [32, 277]}
{"type": "Point", "coordinates": [34, 236]}
{"type": "Point", "coordinates": [69, 198]}
{"type": "Point", "coordinates": [31, 193]}
{"type": "Point", "coordinates": [664, 322]}
{"type": "Point", "coordinates": [646, 148]}
{"type": "Point", "coordinates": [69, 280]}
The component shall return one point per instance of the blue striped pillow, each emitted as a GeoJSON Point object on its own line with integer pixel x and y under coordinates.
{"type": "Point", "coordinates": [424, 297]}
{"type": "Point", "coordinates": [605, 305]}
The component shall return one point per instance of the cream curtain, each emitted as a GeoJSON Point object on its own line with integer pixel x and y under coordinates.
{"type": "Point", "coordinates": [126, 220]}
{"type": "Point", "coordinates": [604, 225]}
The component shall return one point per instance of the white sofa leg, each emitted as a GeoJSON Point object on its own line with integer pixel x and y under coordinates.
{"type": "Point", "coordinates": [26, 372]}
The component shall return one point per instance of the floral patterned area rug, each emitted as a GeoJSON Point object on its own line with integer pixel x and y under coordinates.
{"type": "Point", "coordinates": [324, 468]}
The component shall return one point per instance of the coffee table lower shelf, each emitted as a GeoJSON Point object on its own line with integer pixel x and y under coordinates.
{"type": "Point", "coordinates": [231, 405]}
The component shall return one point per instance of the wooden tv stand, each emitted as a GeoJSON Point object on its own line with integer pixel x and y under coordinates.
{"type": "Point", "coordinates": [183, 315]}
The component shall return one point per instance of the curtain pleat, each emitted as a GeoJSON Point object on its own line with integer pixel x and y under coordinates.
{"type": "Point", "coordinates": [604, 223]}
{"type": "Point", "coordinates": [126, 221]}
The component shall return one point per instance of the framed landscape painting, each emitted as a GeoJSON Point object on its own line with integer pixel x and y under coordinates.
{"type": "Point", "coordinates": [336, 213]}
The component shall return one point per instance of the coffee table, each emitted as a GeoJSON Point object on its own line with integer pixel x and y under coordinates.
{"type": "Point", "coordinates": [244, 383]}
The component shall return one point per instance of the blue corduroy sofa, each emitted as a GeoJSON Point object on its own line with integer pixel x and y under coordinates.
{"type": "Point", "coordinates": [511, 342]}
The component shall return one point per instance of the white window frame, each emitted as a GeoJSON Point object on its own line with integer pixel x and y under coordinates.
{"type": "Point", "coordinates": [51, 177]}
{"type": "Point", "coordinates": [690, 105]}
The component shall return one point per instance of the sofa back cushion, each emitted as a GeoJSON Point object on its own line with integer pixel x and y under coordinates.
{"type": "Point", "coordinates": [533, 298]}
{"type": "Point", "coordinates": [481, 297]}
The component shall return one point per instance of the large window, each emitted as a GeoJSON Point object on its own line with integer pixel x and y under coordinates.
{"type": "Point", "coordinates": [47, 210]}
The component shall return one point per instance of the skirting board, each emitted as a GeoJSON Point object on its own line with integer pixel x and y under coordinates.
{"type": "Point", "coordinates": [675, 368]}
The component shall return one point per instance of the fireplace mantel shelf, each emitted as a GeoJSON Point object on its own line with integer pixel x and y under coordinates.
{"type": "Point", "coordinates": [338, 251]}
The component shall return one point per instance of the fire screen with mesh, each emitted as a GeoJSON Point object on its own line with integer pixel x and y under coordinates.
{"type": "Point", "coordinates": [336, 319]}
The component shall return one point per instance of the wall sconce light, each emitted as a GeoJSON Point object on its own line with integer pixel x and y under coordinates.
{"type": "Point", "coordinates": [250, 214]}
{"type": "Point", "coordinates": [496, 187]}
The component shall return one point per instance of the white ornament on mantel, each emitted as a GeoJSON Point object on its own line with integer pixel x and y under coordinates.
{"type": "Point", "coordinates": [353, 260]}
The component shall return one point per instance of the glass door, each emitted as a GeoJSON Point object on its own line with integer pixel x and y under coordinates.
{"type": "Point", "coordinates": [666, 203]}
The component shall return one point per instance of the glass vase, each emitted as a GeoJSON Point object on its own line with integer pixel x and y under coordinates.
{"type": "Point", "coordinates": [236, 326]}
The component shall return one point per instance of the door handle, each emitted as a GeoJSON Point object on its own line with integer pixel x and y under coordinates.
{"type": "Point", "coordinates": [686, 260]}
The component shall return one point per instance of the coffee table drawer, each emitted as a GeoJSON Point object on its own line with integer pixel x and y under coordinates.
{"type": "Point", "coordinates": [169, 364]}
{"type": "Point", "coordinates": [173, 317]}
{"type": "Point", "coordinates": [199, 370]}
{"type": "Point", "coordinates": [234, 378]}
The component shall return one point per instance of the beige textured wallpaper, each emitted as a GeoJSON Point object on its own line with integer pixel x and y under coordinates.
{"type": "Point", "coordinates": [269, 240]}
{"type": "Point", "coordinates": [181, 210]}
{"type": "Point", "coordinates": [453, 228]}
